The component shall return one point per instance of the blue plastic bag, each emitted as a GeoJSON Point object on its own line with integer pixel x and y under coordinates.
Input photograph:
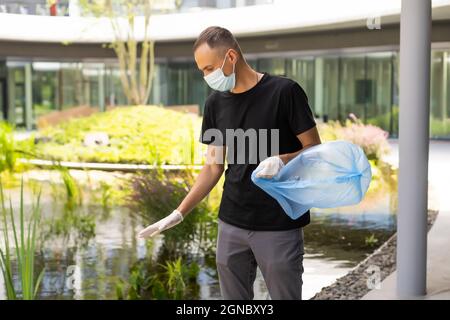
{"type": "Point", "coordinates": [327, 175]}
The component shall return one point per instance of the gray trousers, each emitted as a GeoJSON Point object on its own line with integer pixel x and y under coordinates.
{"type": "Point", "coordinates": [279, 255]}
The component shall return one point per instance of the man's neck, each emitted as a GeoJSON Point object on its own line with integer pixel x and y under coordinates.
{"type": "Point", "coordinates": [246, 78]}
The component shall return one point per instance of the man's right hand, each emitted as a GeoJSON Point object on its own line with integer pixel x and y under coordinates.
{"type": "Point", "coordinates": [166, 223]}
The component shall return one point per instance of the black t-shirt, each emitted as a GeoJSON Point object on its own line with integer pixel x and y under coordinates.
{"type": "Point", "coordinates": [275, 102]}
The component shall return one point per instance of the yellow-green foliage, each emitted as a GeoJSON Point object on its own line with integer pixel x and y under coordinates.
{"type": "Point", "coordinates": [153, 134]}
{"type": "Point", "coordinates": [7, 155]}
{"type": "Point", "coordinates": [141, 134]}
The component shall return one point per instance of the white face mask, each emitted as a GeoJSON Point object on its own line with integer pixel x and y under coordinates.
{"type": "Point", "coordinates": [217, 80]}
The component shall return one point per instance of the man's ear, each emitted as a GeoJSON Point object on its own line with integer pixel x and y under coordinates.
{"type": "Point", "coordinates": [234, 56]}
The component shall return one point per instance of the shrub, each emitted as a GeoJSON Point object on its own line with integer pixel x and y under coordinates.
{"type": "Point", "coordinates": [141, 134]}
{"type": "Point", "coordinates": [372, 139]}
{"type": "Point", "coordinates": [7, 154]}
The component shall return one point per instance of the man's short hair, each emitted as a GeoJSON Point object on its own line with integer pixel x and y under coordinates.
{"type": "Point", "coordinates": [217, 38]}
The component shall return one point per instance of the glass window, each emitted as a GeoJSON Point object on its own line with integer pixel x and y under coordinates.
{"type": "Point", "coordinates": [379, 90]}
{"type": "Point", "coordinates": [114, 93]}
{"type": "Point", "coordinates": [439, 97]}
{"type": "Point", "coordinates": [354, 87]}
{"type": "Point", "coordinates": [45, 87]}
{"type": "Point", "coordinates": [3, 91]}
{"type": "Point", "coordinates": [253, 63]}
{"type": "Point", "coordinates": [185, 84]}
{"type": "Point", "coordinates": [17, 83]}
{"type": "Point", "coordinates": [92, 75]}
{"type": "Point", "coordinates": [159, 85]}
{"type": "Point", "coordinates": [330, 88]}
{"type": "Point", "coordinates": [274, 66]}
{"type": "Point", "coordinates": [70, 85]}
{"type": "Point", "coordinates": [395, 99]}
{"type": "Point", "coordinates": [302, 71]}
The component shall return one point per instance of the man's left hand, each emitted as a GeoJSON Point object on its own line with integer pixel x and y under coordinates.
{"type": "Point", "coordinates": [269, 167]}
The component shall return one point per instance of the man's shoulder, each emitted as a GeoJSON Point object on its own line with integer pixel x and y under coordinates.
{"type": "Point", "coordinates": [211, 100]}
{"type": "Point", "coordinates": [281, 81]}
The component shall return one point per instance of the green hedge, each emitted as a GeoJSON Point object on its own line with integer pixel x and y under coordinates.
{"type": "Point", "coordinates": [139, 134]}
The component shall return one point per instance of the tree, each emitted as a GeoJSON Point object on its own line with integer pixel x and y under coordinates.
{"type": "Point", "coordinates": [127, 18]}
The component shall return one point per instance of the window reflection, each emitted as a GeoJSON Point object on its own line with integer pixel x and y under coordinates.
{"type": "Point", "coordinates": [336, 85]}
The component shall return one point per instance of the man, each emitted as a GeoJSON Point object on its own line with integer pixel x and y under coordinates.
{"type": "Point", "coordinates": [253, 228]}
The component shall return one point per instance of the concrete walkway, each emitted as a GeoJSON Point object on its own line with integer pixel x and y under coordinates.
{"type": "Point", "coordinates": [438, 260]}
{"type": "Point", "coordinates": [108, 166]}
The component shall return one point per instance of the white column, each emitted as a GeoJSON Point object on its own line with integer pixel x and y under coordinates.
{"type": "Point", "coordinates": [415, 28]}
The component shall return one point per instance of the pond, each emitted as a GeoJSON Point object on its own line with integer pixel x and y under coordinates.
{"type": "Point", "coordinates": [88, 250]}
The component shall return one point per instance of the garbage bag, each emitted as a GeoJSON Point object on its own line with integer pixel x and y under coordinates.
{"type": "Point", "coordinates": [327, 175]}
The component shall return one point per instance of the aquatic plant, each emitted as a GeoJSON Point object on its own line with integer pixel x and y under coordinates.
{"type": "Point", "coordinates": [25, 247]}
{"type": "Point", "coordinates": [154, 195]}
{"type": "Point", "coordinates": [175, 279]}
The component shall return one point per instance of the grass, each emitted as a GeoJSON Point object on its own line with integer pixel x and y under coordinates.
{"type": "Point", "coordinates": [25, 247]}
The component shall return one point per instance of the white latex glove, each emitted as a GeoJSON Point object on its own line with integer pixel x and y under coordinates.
{"type": "Point", "coordinates": [269, 167]}
{"type": "Point", "coordinates": [165, 223]}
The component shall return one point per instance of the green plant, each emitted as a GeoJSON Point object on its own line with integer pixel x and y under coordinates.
{"type": "Point", "coordinates": [10, 149]}
{"type": "Point", "coordinates": [175, 282]}
{"type": "Point", "coordinates": [105, 194]}
{"type": "Point", "coordinates": [136, 65]}
{"type": "Point", "coordinates": [73, 192]}
{"type": "Point", "coordinates": [7, 154]}
{"type": "Point", "coordinates": [137, 282]}
{"type": "Point", "coordinates": [371, 240]}
{"type": "Point", "coordinates": [172, 280]}
{"type": "Point", "coordinates": [25, 246]}
{"type": "Point", "coordinates": [155, 194]}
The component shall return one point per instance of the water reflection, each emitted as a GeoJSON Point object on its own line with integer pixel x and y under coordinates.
{"type": "Point", "coordinates": [81, 263]}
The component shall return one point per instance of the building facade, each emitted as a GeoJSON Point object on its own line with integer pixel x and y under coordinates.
{"type": "Point", "coordinates": [349, 69]}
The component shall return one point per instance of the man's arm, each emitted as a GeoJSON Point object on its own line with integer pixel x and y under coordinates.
{"type": "Point", "coordinates": [269, 167]}
{"type": "Point", "coordinates": [206, 180]}
{"type": "Point", "coordinates": [308, 139]}
{"type": "Point", "coordinates": [208, 177]}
